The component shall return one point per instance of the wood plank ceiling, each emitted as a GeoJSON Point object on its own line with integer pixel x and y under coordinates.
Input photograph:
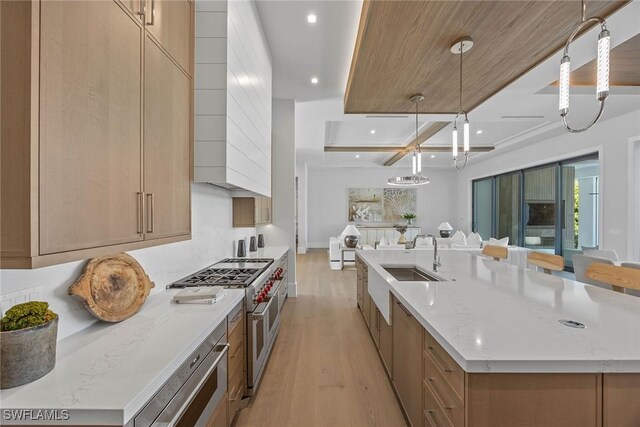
{"type": "Point", "coordinates": [402, 48]}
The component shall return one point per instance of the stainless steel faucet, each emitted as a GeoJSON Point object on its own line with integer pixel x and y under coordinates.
{"type": "Point", "coordinates": [436, 258]}
{"type": "Point", "coordinates": [419, 236]}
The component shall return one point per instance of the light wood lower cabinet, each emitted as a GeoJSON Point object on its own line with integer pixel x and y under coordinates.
{"type": "Point", "coordinates": [96, 131]}
{"type": "Point", "coordinates": [386, 344]}
{"type": "Point", "coordinates": [220, 417]}
{"type": "Point", "coordinates": [166, 145]}
{"type": "Point", "coordinates": [621, 406]}
{"type": "Point", "coordinates": [407, 361]}
{"type": "Point", "coordinates": [237, 384]}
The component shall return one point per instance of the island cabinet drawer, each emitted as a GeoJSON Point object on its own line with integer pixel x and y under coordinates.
{"type": "Point", "coordinates": [451, 404]}
{"type": "Point", "coordinates": [450, 370]}
{"type": "Point", "coordinates": [433, 412]}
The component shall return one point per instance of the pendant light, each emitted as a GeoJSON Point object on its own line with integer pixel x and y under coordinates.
{"type": "Point", "coordinates": [602, 82]}
{"type": "Point", "coordinates": [416, 178]}
{"type": "Point", "coordinates": [459, 47]}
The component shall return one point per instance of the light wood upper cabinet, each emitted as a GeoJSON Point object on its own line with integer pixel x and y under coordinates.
{"type": "Point", "coordinates": [97, 124]}
{"type": "Point", "coordinates": [251, 211]}
{"type": "Point", "coordinates": [169, 21]}
{"type": "Point", "coordinates": [89, 151]}
{"type": "Point", "coordinates": [166, 145]}
{"type": "Point", "coordinates": [135, 7]}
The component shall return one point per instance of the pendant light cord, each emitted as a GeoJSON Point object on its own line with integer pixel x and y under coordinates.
{"type": "Point", "coordinates": [461, 45]}
{"type": "Point", "coordinates": [583, 10]}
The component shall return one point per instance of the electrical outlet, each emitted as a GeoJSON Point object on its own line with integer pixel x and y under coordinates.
{"type": "Point", "coordinates": [9, 300]}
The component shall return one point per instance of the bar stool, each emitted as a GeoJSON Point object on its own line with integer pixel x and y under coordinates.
{"type": "Point", "coordinates": [495, 252]}
{"type": "Point", "coordinates": [547, 262]}
{"type": "Point", "coordinates": [620, 278]}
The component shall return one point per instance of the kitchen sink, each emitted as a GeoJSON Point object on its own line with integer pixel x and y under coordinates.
{"type": "Point", "coordinates": [412, 274]}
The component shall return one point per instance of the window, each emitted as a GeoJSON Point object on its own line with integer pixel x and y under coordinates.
{"type": "Point", "coordinates": [551, 208]}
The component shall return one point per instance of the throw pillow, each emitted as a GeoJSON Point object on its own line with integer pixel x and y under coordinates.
{"type": "Point", "coordinates": [459, 238]}
{"type": "Point", "coordinates": [474, 239]}
{"type": "Point", "coordinates": [502, 242]}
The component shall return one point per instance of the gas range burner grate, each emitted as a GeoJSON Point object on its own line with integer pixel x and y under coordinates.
{"type": "Point", "coordinates": [236, 277]}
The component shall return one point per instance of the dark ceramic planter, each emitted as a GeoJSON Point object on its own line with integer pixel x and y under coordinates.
{"type": "Point", "coordinates": [27, 354]}
{"type": "Point", "coordinates": [351, 241]}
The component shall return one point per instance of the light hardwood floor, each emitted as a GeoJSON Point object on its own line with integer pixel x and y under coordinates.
{"type": "Point", "coordinates": [324, 369]}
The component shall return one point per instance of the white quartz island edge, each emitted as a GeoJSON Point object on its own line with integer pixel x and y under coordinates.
{"type": "Point", "coordinates": [106, 373]}
{"type": "Point", "coordinates": [495, 317]}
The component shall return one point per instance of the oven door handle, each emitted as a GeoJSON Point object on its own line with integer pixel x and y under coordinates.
{"type": "Point", "coordinates": [196, 390]}
{"type": "Point", "coordinates": [264, 312]}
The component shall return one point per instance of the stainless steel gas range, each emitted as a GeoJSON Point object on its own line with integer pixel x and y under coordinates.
{"type": "Point", "coordinates": [265, 283]}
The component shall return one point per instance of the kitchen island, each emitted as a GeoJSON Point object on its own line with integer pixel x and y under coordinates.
{"type": "Point", "coordinates": [486, 343]}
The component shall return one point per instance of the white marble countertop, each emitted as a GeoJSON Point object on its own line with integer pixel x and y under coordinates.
{"type": "Point", "coordinates": [275, 252]}
{"type": "Point", "coordinates": [106, 373]}
{"type": "Point", "coordinates": [495, 317]}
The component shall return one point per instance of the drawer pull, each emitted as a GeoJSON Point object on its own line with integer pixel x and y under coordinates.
{"type": "Point", "coordinates": [449, 407]}
{"type": "Point", "coordinates": [447, 370]}
{"type": "Point", "coordinates": [404, 310]}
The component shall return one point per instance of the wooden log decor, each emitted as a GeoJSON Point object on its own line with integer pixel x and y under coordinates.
{"type": "Point", "coordinates": [113, 288]}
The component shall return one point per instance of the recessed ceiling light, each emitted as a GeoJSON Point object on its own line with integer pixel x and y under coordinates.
{"type": "Point", "coordinates": [357, 156]}
{"type": "Point", "coordinates": [479, 132]}
{"type": "Point", "coordinates": [314, 80]}
{"type": "Point", "coordinates": [372, 131]}
{"type": "Point", "coordinates": [433, 156]}
{"type": "Point", "coordinates": [312, 18]}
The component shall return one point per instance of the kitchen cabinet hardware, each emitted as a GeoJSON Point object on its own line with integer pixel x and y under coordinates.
{"type": "Point", "coordinates": [153, 13]}
{"type": "Point", "coordinates": [150, 217]}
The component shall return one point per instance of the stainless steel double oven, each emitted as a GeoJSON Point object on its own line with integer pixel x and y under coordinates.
{"type": "Point", "coordinates": [263, 321]}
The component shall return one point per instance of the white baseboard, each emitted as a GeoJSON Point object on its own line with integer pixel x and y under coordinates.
{"type": "Point", "coordinates": [302, 250]}
{"type": "Point", "coordinates": [293, 289]}
{"type": "Point", "coordinates": [318, 245]}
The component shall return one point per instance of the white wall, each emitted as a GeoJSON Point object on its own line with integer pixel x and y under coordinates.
{"type": "Point", "coordinates": [610, 138]}
{"type": "Point", "coordinates": [301, 174]}
{"type": "Point", "coordinates": [327, 199]}
{"type": "Point", "coordinates": [233, 96]}
{"type": "Point", "coordinates": [212, 239]}
{"type": "Point", "coordinates": [281, 232]}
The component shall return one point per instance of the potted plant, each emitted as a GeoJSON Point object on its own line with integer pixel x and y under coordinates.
{"type": "Point", "coordinates": [28, 335]}
{"type": "Point", "coordinates": [409, 217]}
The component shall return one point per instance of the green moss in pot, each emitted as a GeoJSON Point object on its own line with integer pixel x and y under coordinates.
{"type": "Point", "coordinates": [28, 335]}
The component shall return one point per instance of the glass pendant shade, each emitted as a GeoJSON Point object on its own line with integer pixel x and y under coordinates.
{"type": "Point", "coordinates": [465, 130]}
{"type": "Point", "coordinates": [604, 47]}
{"type": "Point", "coordinates": [414, 165]}
{"type": "Point", "coordinates": [419, 162]}
{"type": "Point", "coordinates": [565, 73]}
{"type": "Point", "coordinates": [455, 142]}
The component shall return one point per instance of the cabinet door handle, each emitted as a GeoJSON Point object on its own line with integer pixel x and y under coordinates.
{"type": "Point", "coordinates": [140, 11]}
{"type": "Point", "coordinates": [404, 310]}
{"type": "Point", "coordinates": [151, 213]}
{"type": "Point", "coordinates": [153, 13]}
{"type": "Point", "coordinates": [140, 212]}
